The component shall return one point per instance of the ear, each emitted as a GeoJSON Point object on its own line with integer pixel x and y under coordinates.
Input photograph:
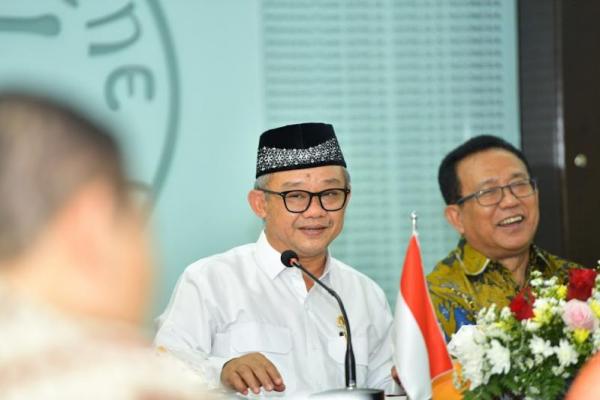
{"type": "Point", "coordinates": [86, 223]}
{"type": "Point", "coordinates": [453, 214]}
{"type": "Point", "coordinates": [258, 203]}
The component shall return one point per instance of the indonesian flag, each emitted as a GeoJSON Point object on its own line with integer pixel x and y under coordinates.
{"type": "Point", "coordinates": [420, 353]}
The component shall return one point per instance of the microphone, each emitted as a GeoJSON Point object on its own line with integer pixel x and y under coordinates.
{"type": "Point", "coordinates": [289, 258]}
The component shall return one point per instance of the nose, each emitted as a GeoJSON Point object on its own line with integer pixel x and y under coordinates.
{"type": "Point", "coordinates": [314, 209]}
{"type": "Point", "coordinates": [508, 199]}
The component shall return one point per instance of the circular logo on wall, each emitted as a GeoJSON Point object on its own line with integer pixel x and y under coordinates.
{"type": "Point", "coordinates": [113, 58]}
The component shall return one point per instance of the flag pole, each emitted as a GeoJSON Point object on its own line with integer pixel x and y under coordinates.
{"type": "Point", "coordinates": [420, 354]}
{"type": "Point", "coordinates": [414, 217]}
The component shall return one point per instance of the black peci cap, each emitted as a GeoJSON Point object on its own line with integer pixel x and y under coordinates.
{"type": "Point", "coordinates": [298, 146]}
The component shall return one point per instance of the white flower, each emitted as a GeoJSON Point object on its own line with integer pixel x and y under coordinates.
{"type": "Point", "coordinates": [552, 281]}
{"type": "Point", "coordinates": [532, 393]}
{"type": "Point", "coordinates": [529, 363]}
{"type": "Point", "coordinates": [596, 340]}
{"type": "Point", "coordinates": [499, 357]}
{"type": "Point", "coordinates": [530, 325]}
{"type": "Point", "coordinates": [537, 274]}
{"type": "Point", "coordinates": [541, 347]}
{"type": "Point", "coordinates": [486, 315]}
{"type": "Point", "coordinates": [467, 347]}
{"type": "Point", "coordinates": [540, 303]}
{"type": "Point", "coordinates": [534, 390]}
{"type": "Point", "coordinates": [557, 370]}
{"type": "Point", "coordinates": [536, 282]}
{"type": "Point", "coordinates": [490, 315]}
{"type": "Point", "coordinates": [495, 330]}
{"type": "Point", "coordinates": [505, 313]}
{"type": "Point", "coordinates": [565, 353]}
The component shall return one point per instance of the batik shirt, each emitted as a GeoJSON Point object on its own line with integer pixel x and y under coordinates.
{"type": "Point", "coordinates": [466, 281]}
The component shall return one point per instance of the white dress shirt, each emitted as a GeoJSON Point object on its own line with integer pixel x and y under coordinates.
{"type": "Point", "coordinates": [245, 301]}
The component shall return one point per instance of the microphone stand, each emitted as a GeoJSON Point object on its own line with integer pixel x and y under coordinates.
{"type": "Point", "coordinates": [350, 361]}
{"type": "Point", "coordinates": [351, 391]}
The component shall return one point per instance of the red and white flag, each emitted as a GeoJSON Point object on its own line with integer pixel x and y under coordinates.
{"type": "Point", "coordinates": [420, 353]}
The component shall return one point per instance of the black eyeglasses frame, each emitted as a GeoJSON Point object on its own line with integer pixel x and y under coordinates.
{"type": "Point", "coordinates": [319, 195]}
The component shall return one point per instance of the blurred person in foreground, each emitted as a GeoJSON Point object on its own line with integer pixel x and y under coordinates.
{"type": "Point", "coordinates": [269, 329]}
{"type": "Point", "coordinates": [587, 383]}
{"type": "Point", "coordinates": [492, 202]}
{"type": "Point", "coordinates": [75, 270]}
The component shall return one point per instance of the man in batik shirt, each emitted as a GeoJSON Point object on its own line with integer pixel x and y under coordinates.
{"type": "Point", "coordinates": [492, 202]}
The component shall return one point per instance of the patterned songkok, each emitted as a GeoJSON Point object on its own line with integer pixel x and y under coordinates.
{"type": "Point", "coordinates": [298, 146]}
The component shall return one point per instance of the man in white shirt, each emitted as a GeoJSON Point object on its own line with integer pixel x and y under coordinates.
{"type": "Point", "coordinates": [265, 327]}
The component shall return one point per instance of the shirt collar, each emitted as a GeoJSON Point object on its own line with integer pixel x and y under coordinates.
{"type": "Point", "coordinates": [474, 263]}
{"type": "Point", "coordinates": [269, 259]}
{"type": "Point", "coordinates": [471, 260]}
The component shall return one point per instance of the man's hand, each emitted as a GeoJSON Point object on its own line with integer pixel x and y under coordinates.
{"type": "Point", "coordinates": [251, 371]}
{"type": "Point", "coordinates": [396, 378]}
{"type": "Point", "coordinates": [395, 375]}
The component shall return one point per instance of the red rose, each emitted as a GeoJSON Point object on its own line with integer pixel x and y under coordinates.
{"type": "Point", "coordinates": [522, 304]}
{"type": "Point", "coordinates": [581, 283]}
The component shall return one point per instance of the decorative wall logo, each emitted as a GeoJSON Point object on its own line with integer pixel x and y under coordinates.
{"type": "Point", "coordinates": [115, 56]}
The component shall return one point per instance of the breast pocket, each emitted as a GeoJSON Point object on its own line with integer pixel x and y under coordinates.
{"type": "Point", "coordinates": [272, 341]}
{"type": "Point", "coordinates": [336, 348]}
{"type": "Point", "coordinates": [249, 337]}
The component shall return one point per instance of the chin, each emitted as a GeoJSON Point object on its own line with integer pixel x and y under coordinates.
{"type": "Point", "coordinates": [518, 240]}
{"type": "Point", "coordinates": [311, 251]}
{"type": "Point", "coordinates": [517, 247]}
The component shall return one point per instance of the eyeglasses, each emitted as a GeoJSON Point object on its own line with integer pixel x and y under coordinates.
{"type": "Point", "coordinates": [298, 201]}
{"type": "Point", "coordinates": [492, 196]}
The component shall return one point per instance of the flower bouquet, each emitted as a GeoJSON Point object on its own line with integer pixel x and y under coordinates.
{"type": "Point", "coordinates": [533, 348]}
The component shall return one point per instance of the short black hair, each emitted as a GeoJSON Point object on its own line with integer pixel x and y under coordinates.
{"type": "Point", "coordinates": [447, 176]}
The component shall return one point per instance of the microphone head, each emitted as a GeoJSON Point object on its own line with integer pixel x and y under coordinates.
{"type": "Point", "coordinates": [288, 257]}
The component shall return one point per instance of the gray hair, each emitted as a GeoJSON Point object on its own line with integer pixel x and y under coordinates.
{"type": "Point", "coordinates": [262, 181]}
{"type": "Point", "coordinates": [47, 152]}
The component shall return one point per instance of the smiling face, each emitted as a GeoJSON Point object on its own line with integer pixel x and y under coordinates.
{"type": "Point", "coordinates": [308, 233]}
{"type": "Point", "coordinates": [503, 230]}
